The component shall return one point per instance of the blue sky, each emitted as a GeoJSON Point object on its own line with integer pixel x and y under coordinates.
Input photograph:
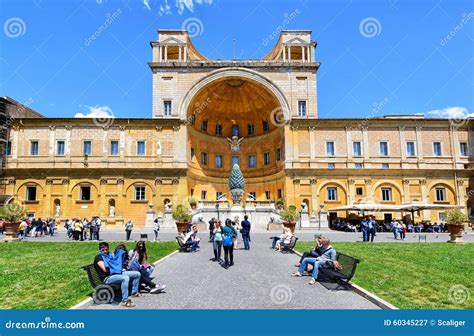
{"type": "Point", "coordinates": [377, 57]}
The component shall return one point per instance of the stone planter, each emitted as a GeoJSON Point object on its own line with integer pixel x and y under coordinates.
{"type": "Point", "coordinates": [11, 230]}
{"type": "Point", "coordinates": [455, 233]}
{"type": "Point", "coordinates": [291, 225]}
{"type": "Point", "coordinates": [182, 226]}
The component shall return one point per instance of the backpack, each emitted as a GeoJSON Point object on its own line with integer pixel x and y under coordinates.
{"type": "Point", "coordinates": [227, 240]}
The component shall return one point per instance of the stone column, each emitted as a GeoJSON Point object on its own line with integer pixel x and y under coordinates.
{"type": "Point", "coordinates": [52, 129]}
{"type": "Point", "coordinates": [47, 198]}
{"type": "Point", "coordinates": [294, 135]}
{"type": "Point", "coordinates": [179, 54]}
{"type": "Point", "coordinates": [455, 154]}
{"type": "Point", "coordinates": [401, 131]}
{"type": "Point", "coordinates": [289, 53]}
{"type": "Point", "coordinates": [302, 54]}
{"type": "Point", "coordinates": [424, 197]}
{"type": "Point", "coordinates": [349, 141]}
{"type": "Point", "coordinates": [122, 143]}
{"type": "Point", "coordinates": [66, 200]}
{"type": "Point", "coordinates": [461, 193]}
{"type": "Point", "coordinates": [419, 145]}
{"type": "Point", "coordinates": [312, 144]}
{"type": "Point", "coordinates": [185, 53]}
{"type": "Point", "coordinates": [351, 193]}
{"type": "Point", "coordinates": [314, 198]}
{"type": "Point", "coordinates": [366, 148]}
{"type": "Point", "coordinates": [368, 188]}
{"type": "Point", "coordinates": [284, 53]}
{"type": "Point", "coordinates": [157, 201]}
{"type": "Point", "coordinates": [120, 204]}
{"type": "Point", "coordinates": [161, 54]}
{"type": "Point", "coordinates": [103, 204]}
{"type": "Point", "coordinates": [15, 135]}
{"type": "Point", "coordinates": [166, 54]}
{"type": "Point", "coordinates": [406, 197]}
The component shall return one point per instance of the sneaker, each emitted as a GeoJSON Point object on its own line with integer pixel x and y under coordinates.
{"type": "Point", "coordinates": [305, 273]}
{"type": "Point", "coordinates": [158, 289]}
{"type": "Point", "coordinates": [297, 265]}
{"type": "Point", "coordinates": [312, 281]}
{"type": "Point", "coordinates": [128, 304]}
{"type": "Point", "coordinates": [137, 295]}
{"type": "Point", "coordinates": [296, 274]}
{"type": "Point", "coordinates": [231, 264]}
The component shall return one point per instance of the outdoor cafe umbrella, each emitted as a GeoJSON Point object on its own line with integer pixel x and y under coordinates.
{"type": "Point", "coordinates": [418, 206]}
{"type": "Point", "coordinates": [362, 207]}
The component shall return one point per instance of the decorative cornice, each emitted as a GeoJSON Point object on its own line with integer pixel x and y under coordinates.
{"type": "Point", "coordinates": [65, 181]}
{"type": "Point", "coordinates": [49, 181]}
{"type": "Point", "coordinates": [120, 181]}
{"type": "Point", "coordinates": [159, 128]}
{"type": "Point", "coordinates": [68, 127]}
{"type": "Point", "coordinates": [422, 181]}
{"type": "Point", "coordinates": [158, 181]}
{"type": "Point", "coordinates": [122, 127]}
{"type": "Point", "coordinates": [313, 181]}
{"type": "Point", "coordinates": [175, 181]}
{"type": "Point", "coordinates": [296, 181]}
{"type": "Point", "coordinates": [351, 181]}
{"type": "Point", "coordinates": [368, 181]}
{"type": "Point", "coordinates": [103, 181]}
{"type": "Point", "coordinates": [52, 127]}
{"type": "Point", "coordinates": [460, 182]}
{"type": "Point", "coordinates": [406, 181]}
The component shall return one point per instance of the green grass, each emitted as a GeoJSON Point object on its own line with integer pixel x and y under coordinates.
{"type": "Point", "coordinates": [412, 276]}
{"type": "Point", "coordinates": [41, 275]}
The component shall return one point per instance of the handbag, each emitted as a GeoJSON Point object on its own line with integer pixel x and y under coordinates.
{"type": "Point", "coordinates": [227, 240]}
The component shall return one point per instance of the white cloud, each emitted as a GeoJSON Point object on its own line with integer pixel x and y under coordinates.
{"type": "Point", "coordinates": [455, 112]}
{"type": "Point", "coordinates": [96, 112]}
{"type": "Point", "coordinates": [146, 4]}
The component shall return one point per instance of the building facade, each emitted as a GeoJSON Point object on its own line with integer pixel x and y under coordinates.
{"type": "Point", "coordinates": [210, 114]}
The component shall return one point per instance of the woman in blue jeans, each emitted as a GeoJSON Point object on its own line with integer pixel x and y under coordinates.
{"type": "Point", "coordinates": [217, 241]}
{"type": "Point", "coordinates": [327, 253]}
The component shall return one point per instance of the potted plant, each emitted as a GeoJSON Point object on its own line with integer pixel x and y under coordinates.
{"type": "Point", "coordinates": [455, 221]}
{"type": "Point", "coordinates": [193, 203]}
{"type": "Point", "coordinates": [12, 213]}
{"type": "Point", "coordinates": [289, 216]}
{"type": "Point", "coordinates": [182, 216]}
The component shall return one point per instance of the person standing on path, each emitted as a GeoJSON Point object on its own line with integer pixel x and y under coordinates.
{"type": "Point", "coordinates": [128, 228]}
{"type": "Point", "coordinates": [156, 228]}
{"type": "Point", "coordinates": [372, 228]}
{"type": "Point", "coordinates": [229, 233]}
{"type": "Point", "coordinates": [364, 228]}
{"type": "Point", "coordinates": [217, 241]}
{"type": "Point", "coordinates": [246, 232]}
{"type": "Point", "coordinates": [212, 224]}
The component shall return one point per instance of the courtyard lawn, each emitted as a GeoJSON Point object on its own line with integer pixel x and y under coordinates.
{"type": "Point", "coordinates": [413, 275]}
{"type": "Point", "coordinates": [46, 275]}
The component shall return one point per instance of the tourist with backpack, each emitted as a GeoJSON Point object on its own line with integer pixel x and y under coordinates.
{"type": "Point", "coordinates": [228, 235]}
{"type": "Point", "coordinates": [128, 228]}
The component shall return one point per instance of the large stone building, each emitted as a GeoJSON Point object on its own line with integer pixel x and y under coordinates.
{"type": "Point", "coordinates": [267, 108]}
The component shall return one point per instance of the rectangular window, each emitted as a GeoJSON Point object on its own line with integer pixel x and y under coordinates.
{"type": "Point", "coordinates": [34, 148]}
{"type": "Point", "coordinates": [85, 193]}
{"type": "Point", "coordinates": [358, 165]}
{"type": "Point", "coordinates": [253, 194]}
{"type": "Point", "coordinates": [302, 108]}
{"type": "Point", "coordinates": [359, 191]}
{"type": "Point", "coordinates": [218, 161]}
{"type": "Point", "coordinates": [218, 195]}
{"type": "Point", "coordinates": [332, 193]}
{"type": "Point", "coordinates": [437, 149]}
{"type": "Point", "coordinates": [267, 195]}
{"type": "Point", "coordinates": [167, 107]}
{"type": "Point", "coordinates": [204, 125]}
{"type": "Point", "coordinates": [266, 158]}
{"type": "Point", "coordinates": [87, 150]}
{"type": "Point", "coordinates": [266, 126]}
{"type": "Point", "coordinates": [440, 194]}
{"type": "Point", "coordinates": [278, 154]}
{"type": "Point", "coordinates": [235, 130]}
{"type": "Point", "coordinates": [385, 166]}
{"type": "Point", "coordinates": [139, 193]}
{"type": "Point", "coordinates": [250, 129]}
{"type": "Point", "coordinates": [411, 148]}
{"type": "Point", "coordinates": [330, 148]}
{"type": "Point", "coordinates": [204, 158]}
{"type": "Point", "coordinates": [218, 129]}
{"type": "Point", "coordinates": [386, 194]}
{"type": "Point", "coordinates": [252, 161]}
{"type": "Point", "coordinates": [203, 194]}
{"type": "Point", "coordinates": [383, 148]}
{"type": "Point", "coordinates": [356, 148]}
{"type": "Point", "coordinates": [140, 148]}
{"type": "Point", "coordinates": [60, 147]}
{"type": "Point", "coordinates": [331, 165]}
{"type": "Point", "coordinates": [191, 154]}
{"type": "Point", "coordinates": [280, 194]}
{"type": "Point", "coordinates": [463, 149]}
{"type": "Point", "coordinates": [235, 160]}
{"type": "Point", "coordinates": [114, 145]}
{"type": "Point", "coordinates": [31, 193]}
{"type": "Point", "coordinates": [8, 150]}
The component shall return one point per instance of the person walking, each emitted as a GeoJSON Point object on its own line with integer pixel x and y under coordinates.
{"type": "Point", "coordinates": [217, 241]}
{"type": "Point", "coordinates": [364, 228]}
{"type": "Point", "coordinates": [77, 229]}
{"type": "Point", "coordinates": [371, 229]}
{"type": "Point", "coordinates": [156, 228]}
{"type": "Point", "coordinates": [246, 232]}
{"type": "Point", "coordinates": [393, 226]}
{"type": "Point", "coordinates": [404, 231]}
{"type": "Point", "coordinates": [212, 224]}
{"type": "Point", "coordinates": [98, 223]}
{"type": "Point", "coordinates": [128, 229]}
{"type": "Point", "coordinates": [229, 233]}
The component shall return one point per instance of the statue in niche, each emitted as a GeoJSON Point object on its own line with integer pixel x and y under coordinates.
{"type": "Point", "coordinates": [158, 148]}
{"type": "Point", "coordinates": [111, 211]}
{"type": "Point", "coordinates": [235, 143]}
{"type": "Point", "coordinates": [58, 210]}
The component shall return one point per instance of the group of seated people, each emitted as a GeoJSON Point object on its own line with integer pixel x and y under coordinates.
{"type": "Point", "coordinates": [283, 239]}
{"type": "Point", "coordinates": [124, 267]}
{"type": "Point", "coordinates": [322, 255]}
{"type": "Point", "coordinates": [190, 238]}
{"type": "Point", "coordinates": [345, 226]}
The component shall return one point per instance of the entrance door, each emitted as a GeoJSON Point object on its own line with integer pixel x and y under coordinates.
{"type": "Point", "coordinates": [387, 218]}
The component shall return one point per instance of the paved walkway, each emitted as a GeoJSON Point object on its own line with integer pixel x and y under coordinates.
{"type": "Point", "coordinates": [260, 279]}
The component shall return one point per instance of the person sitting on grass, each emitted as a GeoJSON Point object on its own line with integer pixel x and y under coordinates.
{"type": "Point", "coordinates": [327, 253]}
{"type": "Point", "coordinates": [109, 267]}
{"type": "Point", "coordinates": [285, 239]}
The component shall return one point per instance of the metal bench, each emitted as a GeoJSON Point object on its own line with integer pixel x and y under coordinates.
{"type": "Point", "coordinates": [345, 274]}
{"type": "Point", "coordinates": [183, 247]}
{"type": "Point", "coordinates": [144, 236]}
{"type": "Point", "coordinates": [290, 246]}
{"type": "Point", "coordinates": [103, 293]}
